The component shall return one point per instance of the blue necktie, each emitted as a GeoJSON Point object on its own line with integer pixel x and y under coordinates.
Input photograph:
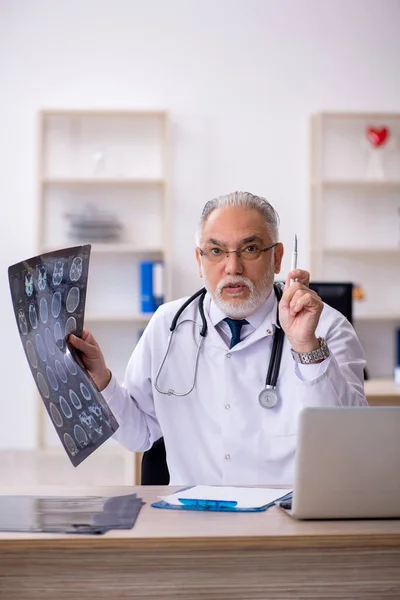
{"type": "Point", "coordinates": [235, 326]}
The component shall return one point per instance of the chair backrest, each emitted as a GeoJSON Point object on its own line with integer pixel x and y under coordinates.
{"type": "Point", "coordinates": [337, 294]}
{"type": "Point", "coordinates": [154, 465]}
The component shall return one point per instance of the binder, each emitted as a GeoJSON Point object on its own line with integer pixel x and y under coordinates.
{"type": "Point", "coordinates": [146, 287]}
{"type": "Point", "coordinates": [151, 285]}
{"type": "Point", "coordinates": [219, 499]}
{"type": "Point", "coordinates": [397, 365]}
{"type": "Point", "coordinates": [158, 284]}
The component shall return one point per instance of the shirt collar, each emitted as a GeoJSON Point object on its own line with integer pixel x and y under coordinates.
{"type": "Point", "coordinates": [266, 313]}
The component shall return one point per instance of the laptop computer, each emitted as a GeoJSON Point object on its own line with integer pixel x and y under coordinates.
{"type": "Point", "coordinates": [347, 464]}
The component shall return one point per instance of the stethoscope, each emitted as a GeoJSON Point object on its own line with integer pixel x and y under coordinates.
{"type": "Point", "coordinates": [268, 397]}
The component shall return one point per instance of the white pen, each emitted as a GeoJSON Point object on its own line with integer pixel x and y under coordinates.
{"type": "Point", "coordinates": [294, 257]}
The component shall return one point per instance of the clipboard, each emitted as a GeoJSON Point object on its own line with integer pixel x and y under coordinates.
{"type": "Point", "coordinates": [218, 504]}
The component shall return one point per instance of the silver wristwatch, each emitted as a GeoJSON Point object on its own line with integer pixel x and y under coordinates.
{"type": "Point", "coordinates": [308, 358]}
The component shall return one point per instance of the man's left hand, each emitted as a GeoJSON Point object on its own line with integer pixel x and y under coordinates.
{"type": "Point", "coordinates": [299, 312]}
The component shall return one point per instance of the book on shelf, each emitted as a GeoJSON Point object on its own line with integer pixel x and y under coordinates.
{"type": "Point", "coordinates": [151, 285]}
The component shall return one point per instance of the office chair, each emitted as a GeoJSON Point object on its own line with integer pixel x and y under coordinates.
{"type": "Point", "coordinates": [154, 465]}
{"type": "Point", "coordinates": [337, 294]}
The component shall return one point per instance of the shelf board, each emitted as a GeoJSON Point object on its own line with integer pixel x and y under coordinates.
{"type": "Point", "coordinates": [129, 318]}
{"type": "Point", "coordinates": [103, 113]}
{"type": "Point", "coordinates": [357, 115]}
{"type": "Point", "coordinates": [359, 183]}
{"type": "Point", "coordinates": [377, 317]}
{"type": "Point", "coordinates": [123, 249]}
{"type": "Point", "coordinates": [114, 248]}
{"type": "Point", "coordinates": [106, 181]}
{"type": "Point", "coordinates": [357, 250]}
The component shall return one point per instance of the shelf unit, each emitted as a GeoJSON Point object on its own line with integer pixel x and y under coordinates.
{"type": "Point", "coordinates": [355, 223]}
{"type": "Point", "coordinates": [110, 163]}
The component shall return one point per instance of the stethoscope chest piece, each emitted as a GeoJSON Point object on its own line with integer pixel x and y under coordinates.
{"type": "Point", "coordinates": [268, 397]}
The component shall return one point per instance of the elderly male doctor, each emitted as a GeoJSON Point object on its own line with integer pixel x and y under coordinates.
{"type": "Point", "coordinates": [214, 427]}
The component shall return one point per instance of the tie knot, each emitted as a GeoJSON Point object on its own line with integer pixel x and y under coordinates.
{"type": "Point", "coordinates": [235, 325]}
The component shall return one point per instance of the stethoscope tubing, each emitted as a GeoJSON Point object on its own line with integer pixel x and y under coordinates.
{"type": "Point", "coordinates": [276, 353]}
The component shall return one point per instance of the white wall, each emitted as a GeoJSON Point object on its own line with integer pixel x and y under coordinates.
{"type": "Point", "coordinates": [240, 79]}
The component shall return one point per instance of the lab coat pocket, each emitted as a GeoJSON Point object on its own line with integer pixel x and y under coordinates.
{"type": "Point", "coordinates": [280, 421]}
{"type": "Point", "coordinates": [277, 459]}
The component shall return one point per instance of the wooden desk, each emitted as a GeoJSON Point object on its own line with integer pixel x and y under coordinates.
{"type": "Point", "coordinates": [204, 555]}
{"type": "Point", "coordinates": [382, 392]}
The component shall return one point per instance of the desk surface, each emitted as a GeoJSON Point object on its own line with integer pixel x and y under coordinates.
{"type": "Point", "coordinates": [382, 392]}
{"type": "Point", "coordinates": [170, 528]}
{"type": "Point", "coordinates": [177, 555]}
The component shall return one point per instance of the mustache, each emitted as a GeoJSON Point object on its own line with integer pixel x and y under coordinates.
{"type": "Point", "coordinates": [232, 280]}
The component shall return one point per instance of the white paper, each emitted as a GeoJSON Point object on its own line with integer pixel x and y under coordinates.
{"type": "Point", "coordinates": [245, 497]}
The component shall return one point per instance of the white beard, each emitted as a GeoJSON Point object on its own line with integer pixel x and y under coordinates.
{"type": "Point", "coordinates": [256, 298]}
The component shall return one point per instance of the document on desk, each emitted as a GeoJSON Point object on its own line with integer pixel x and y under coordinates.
{"type": "Point", "coordinates": [223, 498]}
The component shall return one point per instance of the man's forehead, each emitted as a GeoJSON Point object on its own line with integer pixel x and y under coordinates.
{"type": "Point", "coordinates": [234, 222]}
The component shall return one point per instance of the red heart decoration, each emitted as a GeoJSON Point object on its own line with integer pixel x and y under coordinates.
{"type": "Point", "coordinates": [377, 137]}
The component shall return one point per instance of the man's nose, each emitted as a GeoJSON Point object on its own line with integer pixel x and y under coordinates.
{"type": "Point", "coordinates": [233, 264]}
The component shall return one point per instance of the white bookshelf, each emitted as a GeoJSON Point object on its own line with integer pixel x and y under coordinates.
{"type": "Point", "coordinates": [355, 223]}
{"type": "Point", "coordinates": [113, 163]}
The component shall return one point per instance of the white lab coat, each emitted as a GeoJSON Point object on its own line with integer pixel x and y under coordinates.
{"type": "Point", "coordinates": [219, 433]}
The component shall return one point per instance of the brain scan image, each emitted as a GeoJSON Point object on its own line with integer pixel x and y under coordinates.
{"type": "Point", "coordinates": [42, 385]}
{"type": "Point", "coordinates": [23, 325]}
{"type": "Point", "coordinates": [65, 407]}
{"type": "Point", "coordinates": [48, 294]}
{"type": "Point", "coordinates": [73, 297]}
{"type": "Point", "coordinates": [56, 304]}
{"type": "Point", "coordinates": [51, 347]}
{"type": "Point", "coordinates": [75, 399]}
{"type": "Point", "coordinates": [41, 277]}
{"type": "Point", "coordinates": [52, 378]}
{"type": "Point", "coordinates": [30, 351]}
{"type": "Point", "coordinates": [70, 444]}
{"type": "Point", "coordinates": [75, 271]}
{"type": "Point", "coordinates": [29, 284]}
{"type": "Point", "coordinates": [80, 435]}
{"type": "Point", "coordinates": [70, 326]}
{"type": "Point", "coordinates": [85, 392]}
{"type": "Point", "coordinates": [61, 371]}
{"type": "Point", "coordinates": [33, 316]}
{"type": "Point", "coordinates": [69, 363]}
{"type": "Point", "coordinates": [55, 415]}
{"type": "Point", "coordinates": [58, 273]}
{"type": "Point", "coordinates": [96, 411]}
{"type": "Point", "coordinates": [43, 310]}
{"type": "Point", "coordinates": [88, 420]}
{"type": "Point", "coordinates": [58, 336]}
{"type": "Point", "coordinates": [40, 347]}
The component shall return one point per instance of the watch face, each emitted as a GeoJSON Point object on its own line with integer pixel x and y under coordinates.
{"type": "Point", "coordinates": [268, 398]}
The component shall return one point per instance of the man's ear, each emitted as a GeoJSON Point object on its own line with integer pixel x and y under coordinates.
{"type": "Point", "coordinates": [198, 258]}
{"type": "Point", "coordinates": [278, 255]}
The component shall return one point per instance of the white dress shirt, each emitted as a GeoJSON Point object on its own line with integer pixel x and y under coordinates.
{"type": "Point", "coordinates": [219, 433]}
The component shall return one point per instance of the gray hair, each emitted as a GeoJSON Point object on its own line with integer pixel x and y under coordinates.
{"type": "Point", "coordinates": [246, 200]}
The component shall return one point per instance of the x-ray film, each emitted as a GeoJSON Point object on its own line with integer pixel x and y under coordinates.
{"type": "Point", "coordinates": [48, 294]}
{"type": "Point", "coordinates": [68, 514]}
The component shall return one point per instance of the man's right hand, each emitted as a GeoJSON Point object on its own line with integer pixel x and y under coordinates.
{"type": "Point", "coordinates": [92, 358]}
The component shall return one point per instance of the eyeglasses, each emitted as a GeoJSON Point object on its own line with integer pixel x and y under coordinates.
{"type": "Point", "coordinates": [249, 252]}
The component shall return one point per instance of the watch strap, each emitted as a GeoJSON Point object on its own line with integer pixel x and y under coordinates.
{"type": "Point", "coordinates": [308, 358]}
